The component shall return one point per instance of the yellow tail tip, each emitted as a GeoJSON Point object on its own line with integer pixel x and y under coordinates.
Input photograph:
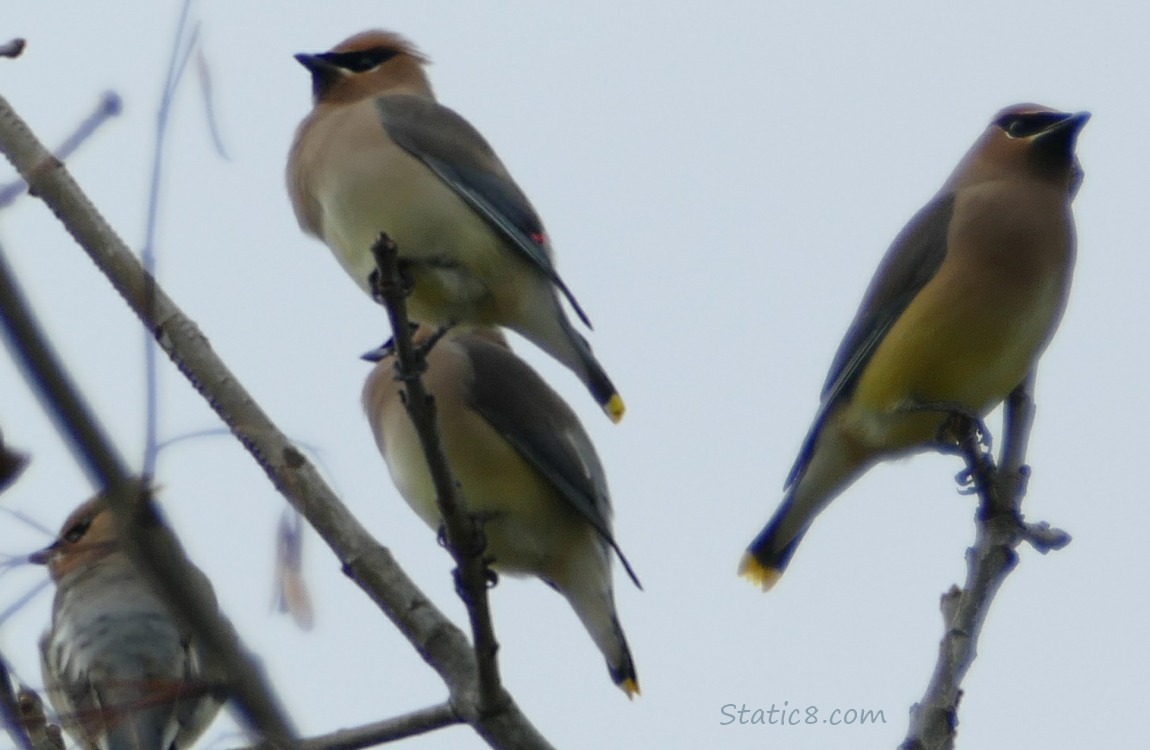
{"type": "Point", "coordinates": [630, 686]}
{"type": "Point", "coordinates": [757, 573]}
{"type": "Point", "coordinates": [614, 407]}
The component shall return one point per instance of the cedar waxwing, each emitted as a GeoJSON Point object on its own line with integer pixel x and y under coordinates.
{"type": "Point", "coordinates": [525, 465]}
{"type": "Point", "coordinates": [119, 670]}
{"type": "Point", "coordinates": [377, 154]}
{"type": "Point", "coordinates": [961, 307]}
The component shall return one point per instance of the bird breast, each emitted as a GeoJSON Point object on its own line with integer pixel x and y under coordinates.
{"type": "Point", "coordinates": [109, 624]}
{"type": "Point", "coordinates": [364, 184]}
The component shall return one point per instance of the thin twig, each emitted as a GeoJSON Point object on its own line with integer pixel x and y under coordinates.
{"type": "Point", "coordinates": [23, 599]}
{"type": "Point", "coordinates": [442, 645]}
{"type": "Point", "coordinates": [151, 545]}
{"type": "Point", "coordinates": [204, 74]}
{"type": "Point", "coordinates": [464, 535]}
{"type": "Point", "coordinates": [28, 521]}
{"type": "Point", "coordinates": [177, 60]}
{"type": "Point", "coordinates": [1000, 529]}
{"type": "Point", "coordinates": [108, 107]}
{"type": "Point", "coordinates": [380, 732]}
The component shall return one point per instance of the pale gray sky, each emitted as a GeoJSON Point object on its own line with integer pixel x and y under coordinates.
{"type": "Point", "coordinates": [719, 185]}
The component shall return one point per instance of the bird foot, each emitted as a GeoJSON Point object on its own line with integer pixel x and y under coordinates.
{"type": "Point", "coordinates": [478, 537]}
{"type": "Point", "coordinates": [405, 281]}
{"type": "Point", "coordinates": [490, 580]}
{"type": "Point", "coordinates": [424, 347]}
{"type": "Point", "coordinates": [960, 420]}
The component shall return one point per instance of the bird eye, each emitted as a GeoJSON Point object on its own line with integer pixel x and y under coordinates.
{"type": "Point", "coordinates": [78, 530]}
{"type": "Point", "coordinates": [1029, 123]}
{"type": "Point", "coordinates": [363, 60]}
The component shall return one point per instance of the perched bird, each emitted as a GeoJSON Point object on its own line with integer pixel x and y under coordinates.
{"type": "Point", "coordinates": [956, 317]}
{"type": "Point", "coordinates": [378, 154]}
{"type": "Point", "coordinates": [119, 670]}
{"type": "Point", "coordinates": [526, 468]}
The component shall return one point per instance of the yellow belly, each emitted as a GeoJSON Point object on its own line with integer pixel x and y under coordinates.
{"type": "Point", "coordinates": [967, 339]}
{"type": "Point", "coordinates": [529, 528]}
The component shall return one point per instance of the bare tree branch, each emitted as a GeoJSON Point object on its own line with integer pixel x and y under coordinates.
{"type": "Point", "coordinates": [464, 535]}
{"type": "Point", "coordinates": [442, 645]}
{"type": "Point", "coordinates": [40, 366]}
{"type": "Point", "coordinates": [380, 732]}
{"type": "Point", "coordinates": [1000, 529]}
{"type": "Point", "coordinates": [23, 600]}
{"type": "Point", "coordinates": [108, 107]}
{"type": "Point", "coordinates": [149, 543]}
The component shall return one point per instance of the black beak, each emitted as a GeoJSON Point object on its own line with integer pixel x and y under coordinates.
{"type": "Point", "coordinates": [44, 556]}
{"type": "Point", "coordinates": [316, 64]}
{"type": "Point", "coordinates": [1061, 137]}
{"type": "Point", "coordinates": [324, 73]}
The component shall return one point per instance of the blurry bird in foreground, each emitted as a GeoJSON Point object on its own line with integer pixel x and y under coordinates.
{"type": "Point", "coordinates": [121, 673]}
{"type": "Point", "coordinates": [956, 317]}
{"type": "Point", "coordinates": [378, 154]}
{"type": "Point", "coordinates": [525, 465]}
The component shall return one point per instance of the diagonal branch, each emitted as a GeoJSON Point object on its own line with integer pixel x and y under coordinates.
{"type": "Point", "coordinates": [442, 645]}
{"type": "Point", "coordinates": [380, 732]}
{"type": "Point", "coordinates": [1000, 529]}
{"type": "Point", "coordinates": [150, 544]}
{"type": "Point", "coordinates": [108, 107]}
{"type": "Point", "coordinates": [464, 535]}
{"type": "Point", "coordinates": [12, 464]}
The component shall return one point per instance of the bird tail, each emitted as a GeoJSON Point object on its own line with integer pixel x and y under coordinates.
{"type": "Point", "coordinates": [596, 380]}
{"type": "Point", "coordinates": [769, 554]}
{"type": "Point", "coordinates": [834, 464]}
{"type": "Point", "coordinates": [623, 669]}
{"type": "Point", "coordinates": [556, 336]}
{"type": "Point", "coordinates": [587, 589]}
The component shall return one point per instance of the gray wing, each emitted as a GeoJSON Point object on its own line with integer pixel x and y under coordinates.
{"type": "Point", "coordinates": [912, 261]}
{"type": "Point", "coordinates": [462, 158]}
{"type": "Point", "coordinates": [542, 427]}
